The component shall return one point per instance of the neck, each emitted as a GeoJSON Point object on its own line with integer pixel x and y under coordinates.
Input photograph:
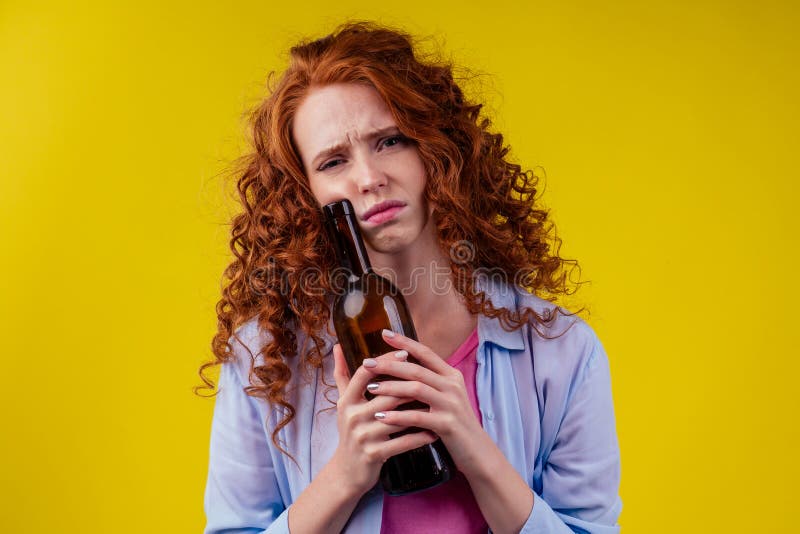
{"type": "Point", "coordinates": [437, 309]}
{"type": "Point", "coordinates": [421, 272]}
{"type": "Point", "coordinates": [422, 275]}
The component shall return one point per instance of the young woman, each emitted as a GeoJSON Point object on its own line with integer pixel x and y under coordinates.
{"type": "Point", "coordinates": [518, 389]}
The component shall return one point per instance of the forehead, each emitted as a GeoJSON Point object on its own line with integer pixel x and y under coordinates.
{"type": "Point", "coordinates": [338, 113]}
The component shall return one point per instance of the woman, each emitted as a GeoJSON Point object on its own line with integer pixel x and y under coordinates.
{"type": "Point", "coordinates": [518, 389]}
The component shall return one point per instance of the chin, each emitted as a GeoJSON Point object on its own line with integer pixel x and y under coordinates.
{"type": "Point", "coordinates": [388, 242]}
{"type": "Point", "coordinates": [389, 246]}
{"type": "Point", "coordinates": [395, 236]}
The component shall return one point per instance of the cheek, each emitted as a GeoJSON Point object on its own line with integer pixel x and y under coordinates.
{"type": "Point", "coordinates": [317, 191]}
{"type": "Point", "coordinates": [325, 191]}
{"type": "Point", "coordinates": [415, 175]}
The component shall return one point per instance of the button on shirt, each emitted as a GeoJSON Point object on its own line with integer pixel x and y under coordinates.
{"type": "Point", "coordinates": [546, 404]}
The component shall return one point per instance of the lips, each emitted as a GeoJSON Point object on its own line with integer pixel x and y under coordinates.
{"type": "Point", "coordinates": [382, 211]}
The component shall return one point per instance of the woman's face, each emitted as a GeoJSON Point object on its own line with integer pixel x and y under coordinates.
{"type": "Point", "coordinates": [351, 148]}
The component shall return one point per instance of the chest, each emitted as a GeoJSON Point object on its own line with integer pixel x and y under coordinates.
{"type": "Point", "coordinates": [505, 394]}
{"type": "Point", "coordinates": [445, 336]}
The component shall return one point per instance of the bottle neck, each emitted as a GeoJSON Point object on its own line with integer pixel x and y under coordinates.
{"type": "Point", "coordinates": [351, 252]}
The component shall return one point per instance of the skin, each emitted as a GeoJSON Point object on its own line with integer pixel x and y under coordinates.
{"type": "Point", "coordinates": [368, 169]}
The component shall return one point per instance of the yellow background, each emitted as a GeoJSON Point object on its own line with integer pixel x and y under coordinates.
{"type": "Point", "coordinates": [669, 136]}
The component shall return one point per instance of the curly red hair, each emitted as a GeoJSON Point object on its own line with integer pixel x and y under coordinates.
{"type": "Point", "coordinates": [479, 197]}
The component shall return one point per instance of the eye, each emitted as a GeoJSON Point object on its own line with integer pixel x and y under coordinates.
{"type": "Point", "coordinates": [394, 140]}
{"type": "Point", "coordinates": [329, 164]}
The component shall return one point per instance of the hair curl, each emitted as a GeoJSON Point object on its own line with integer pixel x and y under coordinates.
{"type": "Point", "coordinates": [479, 196]}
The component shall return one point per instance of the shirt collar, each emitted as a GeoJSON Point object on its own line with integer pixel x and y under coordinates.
{"type": "Point", "coordinates": [502, 295]}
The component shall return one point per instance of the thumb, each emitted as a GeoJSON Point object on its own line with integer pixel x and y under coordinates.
{"type": "Point", "coordinates": [341, 373]}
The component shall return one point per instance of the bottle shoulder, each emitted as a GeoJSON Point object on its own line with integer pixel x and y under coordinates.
{"type": "Point", "coordinates": [370, 281]}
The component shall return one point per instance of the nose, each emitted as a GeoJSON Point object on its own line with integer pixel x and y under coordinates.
{"type": "Point", "coordinates": [369, 177]}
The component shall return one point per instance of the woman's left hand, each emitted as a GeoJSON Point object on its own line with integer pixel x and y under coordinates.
{"type": "Point", "coordinates": [437, 384]}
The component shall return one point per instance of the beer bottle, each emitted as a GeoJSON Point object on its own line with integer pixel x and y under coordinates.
{"type": "Point", "coordinates": [365, 305]}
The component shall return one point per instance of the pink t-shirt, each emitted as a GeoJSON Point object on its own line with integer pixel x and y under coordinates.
{"type": "Point", "coordinates": [449, 507]}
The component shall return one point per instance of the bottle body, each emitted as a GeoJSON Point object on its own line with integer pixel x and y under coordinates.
{"type": "Point", "coordinates": [369, 304]}
{"type": "Point", "coordinates": [366, 305]}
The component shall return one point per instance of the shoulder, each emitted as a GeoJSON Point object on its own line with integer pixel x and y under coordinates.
{"type": "Point", "coordinates": [564, 322]}
{"type": "Point", "coordinates": [566, 347]}
{"type": "Point", "coordinates": [249, 341]}
{"type": "Point", "coordinates": [567, 363]}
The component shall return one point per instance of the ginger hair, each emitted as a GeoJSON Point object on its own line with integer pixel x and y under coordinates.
{"type": "Point", "coordinates": [484, 205]}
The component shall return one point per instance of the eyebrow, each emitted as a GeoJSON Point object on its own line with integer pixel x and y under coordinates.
{"type": "Point", "coordinates": [341, 146]}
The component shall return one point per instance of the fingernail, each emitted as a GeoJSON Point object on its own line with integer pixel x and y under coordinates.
{"type": "Point", "coordinates": [370, 362]}
{"type": "Point", "coordinates": [373, 386]}
{"type": "Point", "coordinates": [388, 333]}
{"type": "Point", "coordinates": [401, 354]}
{"type": "Point", "coordinates": [380, 415]}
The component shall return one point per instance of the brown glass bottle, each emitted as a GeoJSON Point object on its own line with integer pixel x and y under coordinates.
{"type": "Point", "coordinates": [366, 304]}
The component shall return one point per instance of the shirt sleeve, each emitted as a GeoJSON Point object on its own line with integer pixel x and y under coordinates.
{"type": "Point", "coordinates": [242, 493]}
{"type": "Point", "coordinates": [580, 479]}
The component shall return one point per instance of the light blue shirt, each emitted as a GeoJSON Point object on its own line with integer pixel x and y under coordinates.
{"type": "Point", "coordinates": [546, 403]}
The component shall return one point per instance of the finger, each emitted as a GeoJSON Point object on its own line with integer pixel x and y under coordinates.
{"type": "Point", "coordinates": [406, 442]}
{"type": "Point", "coordinates": [363, 414]}
{"type": "Point", "coordinates": [366, 411]}
{"type": "Point", "coordinates": [377, 431]}
{"type": "Point", "coordinates": [362, 376]}
{"type": "Point", "coordinates": [422, 353]}
{"type": "Point", "coordinates": [406, 388]}
{"type": "Point", "coordinates": [394, 356]}
{"type": "Point", "coordinates": [358, 385]}
{"type": "Point", "coordinates": [409, 371]}
{"type": "Point", "coordinates": [416, 418]}
{"type": "Point", "coordinates": [341, 374]}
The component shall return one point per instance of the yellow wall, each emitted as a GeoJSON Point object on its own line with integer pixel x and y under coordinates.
{"type": "Point", "coordinates": [669, 136]}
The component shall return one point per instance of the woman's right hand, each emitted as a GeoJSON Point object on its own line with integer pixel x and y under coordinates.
{"type": "Point", "coordinates": [364, 442]}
